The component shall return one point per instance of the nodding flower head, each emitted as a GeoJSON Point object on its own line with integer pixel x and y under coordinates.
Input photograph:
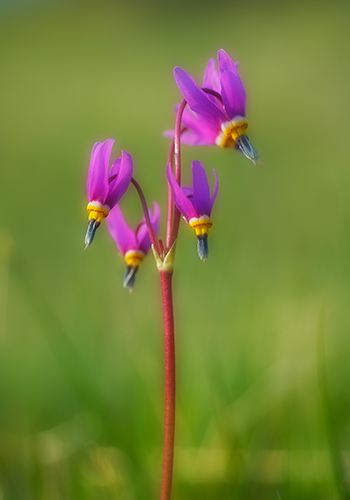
{"type": "Point", "coordinates": [217, 110]}
{"type": "Point", "coordinates": [132, 244]}
{"type": "Point", "coordinates": [196, 204]}
{"type": "Point", "coordinates": [105, 186]}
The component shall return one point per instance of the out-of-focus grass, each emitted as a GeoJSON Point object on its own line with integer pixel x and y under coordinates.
{"type": "Point", "coordinates": [81, 361]}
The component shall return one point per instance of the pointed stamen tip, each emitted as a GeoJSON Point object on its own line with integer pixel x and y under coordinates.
{"type": "Point", "coordinates": [93, 224]}
{"type": "Point", "coordinates": [202, 247]}
{"type": "Point", "coordinates": [129, 278]}
{"type": "Point", "coordinates": [246, 148]}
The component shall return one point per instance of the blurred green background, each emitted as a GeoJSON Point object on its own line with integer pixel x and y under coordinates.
{"type": "Point", "coordinates": [262, 329]}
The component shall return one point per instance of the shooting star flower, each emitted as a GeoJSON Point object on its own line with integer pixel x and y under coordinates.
{"type": "Point", "coordinates": [133, 245]}
{"type": "Point", "coordinates": [195, 204]}
{"type": "Point", "coordinates": [216, 113]}
{"type": "Point", "coordinates": [105, 188]}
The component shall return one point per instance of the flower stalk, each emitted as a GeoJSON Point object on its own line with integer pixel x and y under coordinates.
{"type": "Point", "coordinates": [169, 350]}
{"type": "Point", "coordinates": [173, 213]}
{"type": "Point", "coordinates": [166, 274]}
{"type": "Point", "coordinates": [151, 232]}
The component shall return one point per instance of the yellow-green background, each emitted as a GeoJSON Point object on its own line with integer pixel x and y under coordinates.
{"type": "Point", "coordinates": [262, 329]}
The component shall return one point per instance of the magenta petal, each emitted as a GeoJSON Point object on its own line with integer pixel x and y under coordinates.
{"type": "Point", "coordinates": [95, 146]}
{"type": "Point", "coordinates": [118, 186]}
{"type": "Point", "coordinates": [206, 132]}
{"type": "Point", "coordinates": [168, 133]}
{"type": "Point", "coordinates": [142, 236]}
{"type": "Point", "coordinates": [201, 190]}
{"type": "Point", "coordinates": [187, 191]}
{"type": "Point", "coordinates": [181, 201]}
{"type": "Point", "coordinates": [211, 78]}
{"type": "Point", "coordinates": [200, 132]}
{"type": "Point", "coordinates": [215, 192]}
{"type": "Point", "coordinates": [155, 217]}
{"type": "Point", "coordinates": [122, 234]}
{"type": "Point", "coordinates": [114, 170]}
{"type": "Point", "coordinates": [195, 140]}
{"type": "Point", "coordinates": [232, 90]}
{"type": "Point", "coordinates": [97, 182]}
{"type": "Point", "coordinates": [192, 139]}
{"type": "Point", "coordinates": [198, 100]}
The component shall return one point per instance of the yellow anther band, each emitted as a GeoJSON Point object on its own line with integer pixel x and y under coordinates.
{"type": "Point", "coordinates": [97, 211]}
{"type": "Point", "coordinates": [201, 225]}
{"type": "Point", "coordinates": [231, 131]}
{"type": "Point", "coordinates": [133, 258]}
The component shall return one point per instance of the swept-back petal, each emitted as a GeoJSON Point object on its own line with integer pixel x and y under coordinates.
{"type": "Point", "coordinates": [215, 192]}
{"type": "Point", "coordinates": [198, 100]}
{"type": "Point", "coordinates": [201, 190]}
{"type": "Point", "coordinates": [200, 132]}
{"type": "Point", "coordinates": [97, 182]}
{"type": "Point", "coordinates": [188, 191]}
{"type": "Point", "coordinates": [94, 147]}
{"type": "Point", "coordinates": [180, 199]}
{"type": "Point", "coordinates": [195, 140]}
{"type": "Point", "coordinates": [114, 170]}
{"type": "Point", "coordinates": [122, 234]}
{"type": "Point", "coordinates": [205, 132]}
{"type": "Point", "coordinates": [120, 184]}
{"type": "Point", "coordinates": [142, 236]}
{"type": "Point", "coordinates": [232, 90]}
{"type": "Point", "coordinates": [190, 139]}
{"type": "Point", "coordinates": [211, 78]}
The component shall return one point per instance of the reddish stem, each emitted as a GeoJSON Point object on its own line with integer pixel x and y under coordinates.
{"type": "Point", "coordinates": [169, 225]}
{"type": "Point", "coordinates": [170, 193]}
{"type": "Point", "coordinates": [169, 345]}
{"type": "Point", "coordinates": [175, 222]}
{"type": "Point", "coordinates": [177, 141]}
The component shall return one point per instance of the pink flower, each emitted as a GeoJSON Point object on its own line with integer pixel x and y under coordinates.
{"type": "Point", "coordinates": [196, 204]}
{"type": "Point", "coordinates": [132, 244]}
{"type": "Point", "coordinates": [105, 186]}
{"type": "Point", "coordinates": [217, 117]}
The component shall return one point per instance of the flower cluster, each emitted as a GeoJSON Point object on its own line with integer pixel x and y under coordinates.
{"type": "Point", "coordinates": [213, 114]}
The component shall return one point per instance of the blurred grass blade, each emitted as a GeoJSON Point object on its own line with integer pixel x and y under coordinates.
{"type": "Point", "coordinates": [336, 462]}
{"type": "Point", "coordinates": [67, 355]}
